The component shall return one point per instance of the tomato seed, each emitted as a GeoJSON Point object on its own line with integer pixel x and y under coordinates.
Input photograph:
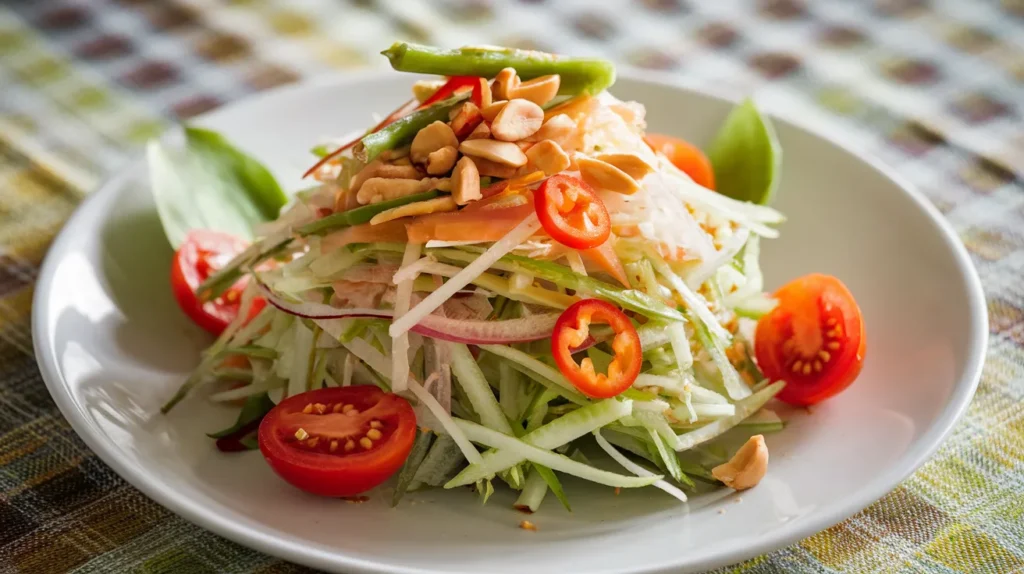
{"type": "Point", "coordinates": [334, 445]}
{"type": "Point", "coordinates": [308, 409]}
{"type": "Point", "coordinates": [349, 446]}
{"type": "Point", "coordinates": [311, 443]}
{"type": "Point", "coordinates": [376, 424]}
{"type": "Point", "coordinates": [366, 443]}
{"type": "Point", "coordinates": [320, 408]}
{"type": "Point", "coordinates": [337, 408]}
{"type": "Point", "coordinates": [374, 434]}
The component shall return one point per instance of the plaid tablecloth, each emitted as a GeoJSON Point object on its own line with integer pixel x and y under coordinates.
{"type": "Point", "coordinates": [936, 89]}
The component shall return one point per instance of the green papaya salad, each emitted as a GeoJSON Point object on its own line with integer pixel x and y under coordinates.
{"type": "Point", "coordinates": [508, 280]}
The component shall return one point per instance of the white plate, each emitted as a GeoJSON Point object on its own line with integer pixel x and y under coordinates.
{"type": "Point", "coordinates": [113, 346]}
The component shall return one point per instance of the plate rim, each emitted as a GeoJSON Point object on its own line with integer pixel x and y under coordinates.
{"type": "Point", "coordinates": [317, 556]}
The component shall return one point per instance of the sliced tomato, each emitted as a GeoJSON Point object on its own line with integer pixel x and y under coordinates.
{"type": "Point", "coordinates": [573, 328]}
{"type": "Point", "coordinates": [685, 156]}
{"type": "Point", "coordinates": [338, 441]}
{"type": "Point", "coordinates": [485, 220]}
{"type": "Point", "coordinates": [814, 339]}
{"type": "Point", "coordinates": [572, 213]}
{"type": "Point", "coordinates": [202, 254]}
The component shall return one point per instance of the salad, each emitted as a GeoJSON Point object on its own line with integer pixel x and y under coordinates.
{"type": "Point", "coordinates": [506, 281]}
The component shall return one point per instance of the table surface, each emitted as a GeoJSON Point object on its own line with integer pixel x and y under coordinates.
{"type": "Point", "coordinates": [935, 89]}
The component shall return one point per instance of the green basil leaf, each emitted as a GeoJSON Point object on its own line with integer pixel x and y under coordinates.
{"type": "Point", "coordinates": [256, 406]}
{"type": "Point", "coordinates": [745, 156]}
{"type": "Point", "coordinates": [207, 183]}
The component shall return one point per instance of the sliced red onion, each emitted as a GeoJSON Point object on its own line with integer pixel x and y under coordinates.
{"type": "Point", "coordinates": [477, 332]}
{"type": "Point", "coordinates": [487, 332]}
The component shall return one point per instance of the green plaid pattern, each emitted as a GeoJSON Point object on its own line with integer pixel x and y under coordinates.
{"type": "Point", "coordinates": [935, 89]}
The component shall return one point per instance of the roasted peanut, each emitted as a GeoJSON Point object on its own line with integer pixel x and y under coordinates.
{"type": "Point", "coordinates": [491, 111]}
{"type": "Point", "coordinates": [378, 189]}
{"type": "Point", "coordinates": [603, 175]}
{"type": "Point", "coordinates": [560, 128]}
{"type": "Point", "coordinates": [423, 89]}
{"type": "Point", "coordinates": [517, 120]}
{"type": "Point", "coordinates": [430, 139]}
{"type": "Point", "coordinates": [505, 83]}
{"type": "Point", "coordinates": [490, 168]}
{"type": "Point", "coordinates": [436, 205]}
{"type": "Point", "coordinates": [466, 182]}
{"type": "Point", "coordinates": [747, 467]}
{"type": "Point", "coordinates": [548, 157]}
{"type": "Point", "coordinates": [377, 168]}
{"type": "Point", "coordinates": [539, 90]}
{"type": "Point", "coordinates": [504, 153]}
{"type": "Point", "coordinates": [480, 132]}
{"type": "Point", "coordinates": [442, 160]}
{"type": "Point", "coordinates": [633, 165]}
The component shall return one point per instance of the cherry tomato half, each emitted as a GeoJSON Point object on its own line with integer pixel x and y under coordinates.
{"type": "Point", "coordinates": [573, 328]}
{"type": "Point", "coordinates": [685, 156]}
{"type": "Point", "coordinates": [338, 441]}
{"type": "Point", "coordinates": [572, 213]}
{"type": "Point", "coordinates": [814, 339]}
{"type": "Point", "coordinates": [202, 253]}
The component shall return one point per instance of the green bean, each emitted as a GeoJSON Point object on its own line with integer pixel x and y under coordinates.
{"type": "Point", "coordinates": [401, 131]}
{"type": "Point", "coordinates": [360, 214]}
{"type": "Point", "coordinates": [578, 75]}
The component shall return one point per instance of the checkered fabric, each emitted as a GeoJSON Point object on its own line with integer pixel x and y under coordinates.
{"type": "Point", "coordinates": [934, 88]}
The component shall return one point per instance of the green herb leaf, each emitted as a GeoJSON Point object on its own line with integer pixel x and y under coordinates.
{"type": "Point", "coordinates": [746, 156]}
{"type": "Point", "coordinates": [256, 406]}
{"type": "Point", "coordinates": [209, 184]}
{"type": "Point", "coordinates": [412, 464]}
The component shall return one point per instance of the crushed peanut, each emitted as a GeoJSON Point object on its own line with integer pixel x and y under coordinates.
{"type": "Point", "coordinates": [603, 175]}
{"type": "Point", "coordinates": [504, 153]}
{"type": "Point", "coordinates": [466, 182]}
{"type": "Point", "coordinates": [430, 139]}
{"type": "Point", "coordinates": [436, 205]}
{"type": "Point", "coordinates": [539, 90]}
{"type": "Point", "coordinates": [480, 132]}
{"type": "Point", "coordinates": [442, 161]}
{"type": "Point", "coordinates": [517, 120]}
{"type": "Point", "coordinates": [378, 189]}
{"type": "Point", "coordinates": [747, 467]}
{"type": "Point", "coordinates": [631, 164]}
{"type": "Point", "coordinates": [548, 157]}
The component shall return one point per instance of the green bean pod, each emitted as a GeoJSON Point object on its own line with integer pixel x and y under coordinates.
{"type": "Point", "coordinates": [403, 130]}
{"type": "Point", "coordinates": [578, 75]}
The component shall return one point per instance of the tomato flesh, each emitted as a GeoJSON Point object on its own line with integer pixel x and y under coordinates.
{"type": "Point", "coordinates": [338, 441]}
{"type": "Point", "coordinates": [572, 213]}
{"type": "Point", "coordinates": [814, 339]}
{"type": "Point", "coordinates": [686, 156]}
{"type": "Point", "coordinates": [573, 328]}
{"type": "Point", "coordinates": [200, 256]}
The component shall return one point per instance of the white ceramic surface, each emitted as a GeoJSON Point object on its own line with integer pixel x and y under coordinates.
{"type": "Point", "coordinates": [112, 346]}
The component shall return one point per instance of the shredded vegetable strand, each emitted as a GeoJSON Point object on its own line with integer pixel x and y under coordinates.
{"type": "Point", "coordinates": [637, 469]}
{"type": "Point", "coordinates": [519, 233]}
{"type": "Point", "coordinates": [403, 298]}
